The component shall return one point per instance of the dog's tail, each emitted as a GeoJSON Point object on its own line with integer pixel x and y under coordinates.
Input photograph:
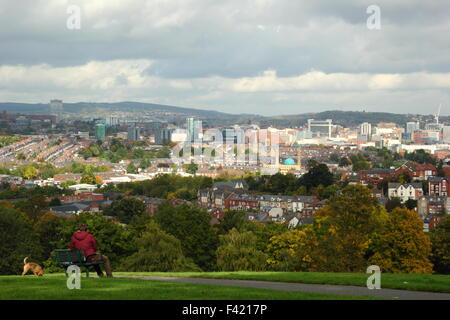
{"type": "Point", "coordinates": [25, 260]}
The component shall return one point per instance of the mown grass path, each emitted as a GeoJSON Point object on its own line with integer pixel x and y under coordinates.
{"type": "Point", "coordinates": [414, 282]}
{"type": "Point", "coordinates": [325, 289]}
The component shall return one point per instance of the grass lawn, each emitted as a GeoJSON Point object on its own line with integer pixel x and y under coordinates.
{"type": "Point", "coordinates": [419, 282]}
{"type": "Point", "coordinates": [53, 287]}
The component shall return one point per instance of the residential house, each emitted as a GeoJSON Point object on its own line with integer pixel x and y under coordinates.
{"type": "Point", "coordinates": [244, 201]}
{"type": "Point", "coordinates": [432, 209]}
{"type": "Point", "coordinates": [438, 186]}
{"type": "Point", "coordinates": [405, 191]}
{"type": "Point", "coordinates": [375, 176]}
{"type": "Point", "coordinates": [417, 171]}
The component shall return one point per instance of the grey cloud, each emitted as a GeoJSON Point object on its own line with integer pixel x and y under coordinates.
{"type": "Point", "coordinates": [233, 39]}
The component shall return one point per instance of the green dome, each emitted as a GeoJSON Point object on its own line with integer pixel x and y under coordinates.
{"type": "Point", "coordinates": [289, 162]}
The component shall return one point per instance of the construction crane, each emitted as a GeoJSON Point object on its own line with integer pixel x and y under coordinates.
{"type": "Point", "coordinates": [436, 117]}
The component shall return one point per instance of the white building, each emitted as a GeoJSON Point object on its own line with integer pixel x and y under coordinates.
{"type": "Point", "coordinates": [365, 129]}
{"type": "Point", "coordinates": [321, 127]}
{"type": "Point", "coordinates": [405, 191]}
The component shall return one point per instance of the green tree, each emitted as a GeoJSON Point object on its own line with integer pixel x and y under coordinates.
{"type": "Point", "coordinates": [191, 225]}
{"type": "Point", "coordinates": [440, 245]}
{"type": "Point", "coordinates": [18, 240]}
{"type": "Point", "coordinates": [393, 203]}
{"type": "Point", "coordinates": [54, 202]}
{"type": "Point", "coordinates": [132, 168]}
{"type": "Point", "coordinates": [264, 232]}
{"type": "Point", "coordinates": [192, 168]}
{"type": "Point", "coordinates": [440, 169]}
{"type": "Point", "coordinates": [47, 228]}
{"type": "Point", "coordinates": [34, 207]}
{"type": "Point", "coordinates": [361, 165]}
{"type": "Point", "coordinates": [158, 251]}
{"type": "Point", "coordinates": [237, 251]}
{"type": "Point", "coordinates": [411, 204]}
{"type": "Point", "coordinates": [317, 175]}
{"type": "Point", "coordinates": [145, 164]}
{"type": "Point", "coordinates": [344, 162]}
{"type": "Point", "coordinates": [126, 209]}
{"type": "Point", "coordinates": [233, 219]}
{"type": "Point", "coordinates": [334, 157]}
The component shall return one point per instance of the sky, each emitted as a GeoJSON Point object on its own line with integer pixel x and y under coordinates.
{"type": "Point", "coordinates": [268, 57]}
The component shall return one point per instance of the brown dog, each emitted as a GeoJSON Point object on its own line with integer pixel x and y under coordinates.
{"type": "Point", "coordinates": [34, 267]}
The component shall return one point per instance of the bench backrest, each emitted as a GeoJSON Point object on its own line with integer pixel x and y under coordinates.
{"type": "Point", "coordinates": [65, 256]}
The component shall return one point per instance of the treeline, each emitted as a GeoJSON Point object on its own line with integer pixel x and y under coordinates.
{"type": "Point", "coordinates": [164, 186]}
{"type": "Point", "coordinates": [25, 193]}
{"type": "Point", "coordinates": [351, 232]}
{"type": "Point", "coordinates": [318, 175]}
{"type": "Point", "coordinates": [117, 150]}
{"type": "Point", "coordinates": [45, 170]}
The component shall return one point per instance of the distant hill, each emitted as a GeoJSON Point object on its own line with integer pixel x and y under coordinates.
{"type": "Point", "coordinates": [345, 118]}
{"type": "Point", "coordinates": [214, 118]}
{"type": "Point", "coordinates": [97, 108]}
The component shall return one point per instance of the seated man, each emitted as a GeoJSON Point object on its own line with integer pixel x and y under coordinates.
{"type": "Point", "coordinates": [83, 240]}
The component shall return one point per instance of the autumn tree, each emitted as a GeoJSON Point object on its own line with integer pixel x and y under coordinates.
{"type": "Point", "coordinates": [290, 251]}
{"type": "Point", "coordinates": [88, 178]}
{"type": "Point", "coordinates": [402, 246]}
{"type": "Point", "coordinates": [343, 230]}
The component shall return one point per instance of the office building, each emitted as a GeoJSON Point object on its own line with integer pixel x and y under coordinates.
{"type": "Point", "coordinates": [56, 109]}
{"type": "Point", "coordinates": [194, 129]}
{"type": "Point", "coordinates": [100, 131]}
{"type": "Point", "coordinates": [320, 127]}
{"type": "Point", "coordinates": [133, 133]}
{"type": "Point", "coordinates": [164, 136]}
{"type": "Point", "coordinates": [412, 126]}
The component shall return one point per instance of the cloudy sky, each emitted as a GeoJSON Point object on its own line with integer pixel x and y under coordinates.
{"type": "Point", "coordinates": [239, 56]}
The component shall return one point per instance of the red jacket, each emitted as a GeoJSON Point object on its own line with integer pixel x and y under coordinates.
{"type": "Point", "coordinates": [83, 240]}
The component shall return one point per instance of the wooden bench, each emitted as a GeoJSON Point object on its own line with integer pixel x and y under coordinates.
{"type": "Point", "coordinates": [66, 258]}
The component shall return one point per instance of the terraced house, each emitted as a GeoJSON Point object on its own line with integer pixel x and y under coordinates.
{"type": "Point", "coordinates": [438, 186]}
